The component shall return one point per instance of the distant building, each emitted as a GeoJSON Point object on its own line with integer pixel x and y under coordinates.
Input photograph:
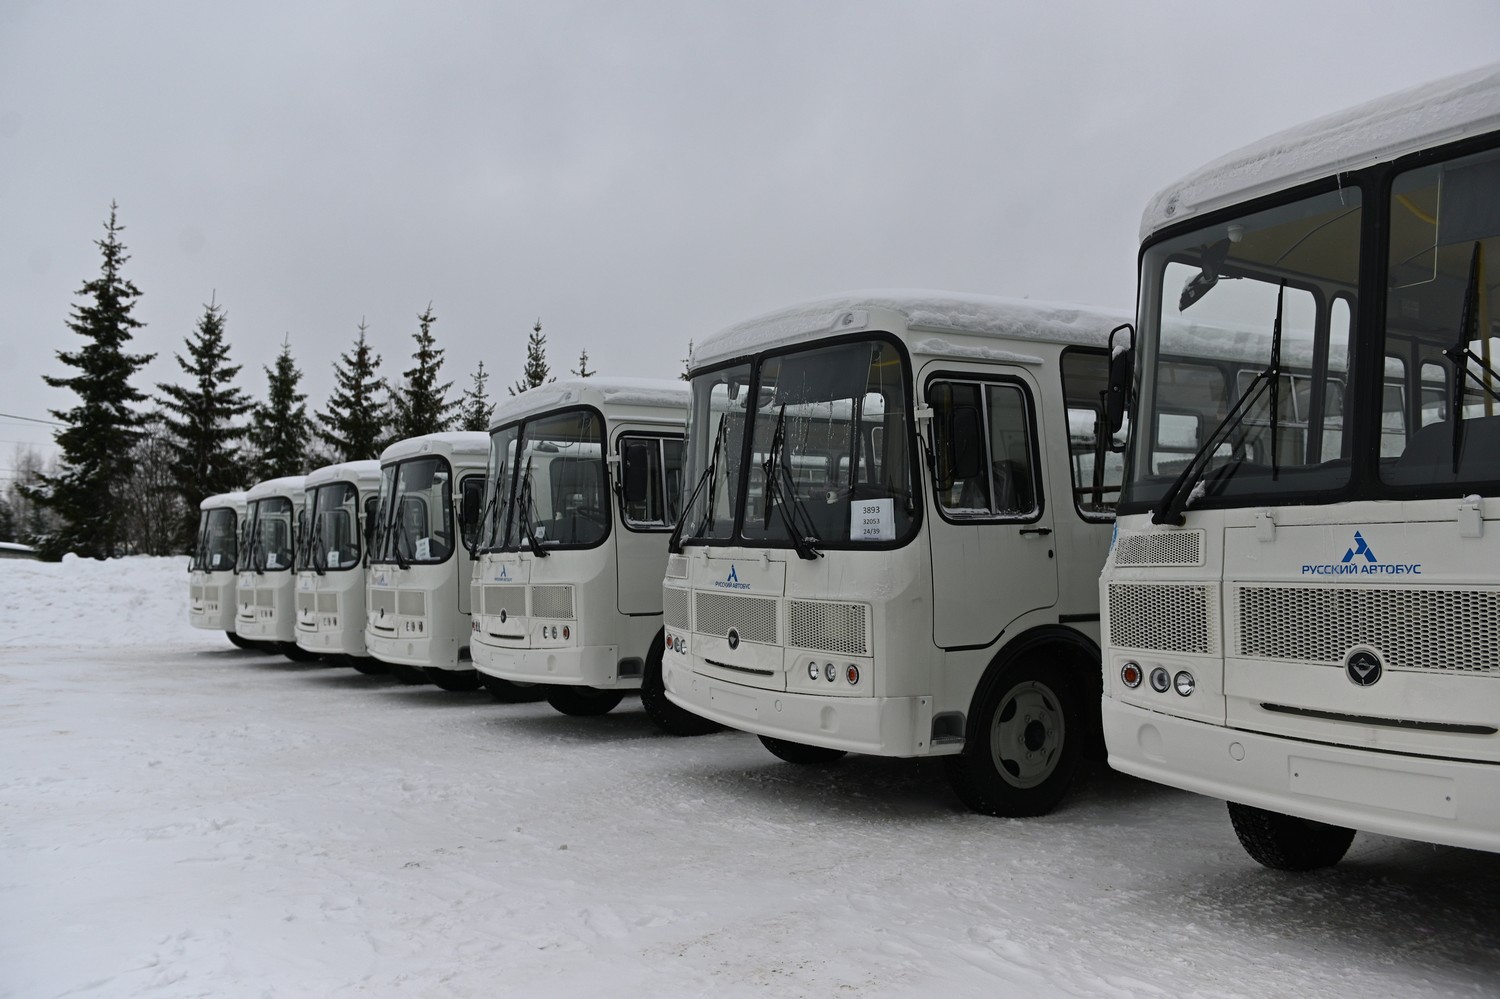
{"type": "Point", "coordinates": [9, 549]}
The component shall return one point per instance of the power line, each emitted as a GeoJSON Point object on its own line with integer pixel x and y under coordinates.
{"type": "Point", "coordinates": [32, 419]}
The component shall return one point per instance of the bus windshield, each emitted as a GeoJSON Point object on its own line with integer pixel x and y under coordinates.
{"type": "Point", "coordinates": [1254, 385]}
{"type": "Point", "coordinates": [217, 541]}
{"type": "Point", "coordinates": [269, 537]}
{"type": "Point", "coordinates": [547, 484]}
{"type": "Point", "coordinates": [332, 542]}
{"type": "Point", "coordinates": [828, 461]}
{"type": "Point", "coordinates": [415, 512]}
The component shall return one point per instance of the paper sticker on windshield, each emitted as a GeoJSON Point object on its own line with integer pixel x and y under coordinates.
{"type": "Point", "coordinates": [271, 561]}
{"type": "Point", "coordinates": [424, 548]}
{"type": "Point", "coordinates": [872, 520]}
{"type": "Point", "coordinates": [333, 556]}
{"type": "Point", "coordinates": [217, 558]}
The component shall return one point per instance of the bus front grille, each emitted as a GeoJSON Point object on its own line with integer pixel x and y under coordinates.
{"type": "Point", "coordinates": [828, 627]}
{"type": "Point", "coordinates": [674, 606]}
{"type": "Point", "coordinates": [510, 599]}
{"type": "Point", "coordinates": [1412, 629]}
{"type": "Point", "coordinates": [753, 618]}
{"type": "Point", "coordinates": [555, 602]}
{"type": "Point", "coordinates": [1162, 617]}
{"type": "Point", "coordinates": [1168, 548]}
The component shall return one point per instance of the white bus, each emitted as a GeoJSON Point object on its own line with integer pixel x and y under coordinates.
{"type": "Point", "coordinates": [892, 540]}
{"type": "Point", "coordinates": [417, 604]}
{"type": "Point", "coordinates": [274, 518]}
{"type": "Point", "coordinates": [331, 563]}
{"type": "Point", "coordinates": [1300, 609]}
{"type": "Point", "coordinates": [211, 572]}
{"type": "Point", "coordinates": [586, 479]}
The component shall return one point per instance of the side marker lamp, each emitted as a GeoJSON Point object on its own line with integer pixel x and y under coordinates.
{"type": "Point", "coordinates": [1130, 675]}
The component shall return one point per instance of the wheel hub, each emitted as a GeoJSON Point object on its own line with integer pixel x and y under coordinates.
{"type": "Point", "coordinates": [1026, 734]}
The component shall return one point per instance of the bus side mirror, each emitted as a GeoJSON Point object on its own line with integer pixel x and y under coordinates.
{"type": "Point", "coordinates": [635, 465]}
{"type": "Point", "coordinates": [1121, 372]}
{"type": "Point", "coordinates": [966, 443]}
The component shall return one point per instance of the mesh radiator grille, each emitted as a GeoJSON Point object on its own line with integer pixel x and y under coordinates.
{"type": "Point", "coordinates": [827, 627]}
{"type": "Point", "coordinates": [674, 606]}
{"type": "Point", "coordinates": [265, 598]}
{"type": "Point", "coordinates": [511, 599]}
{"type": "Point", "coordinates": [328, 603]}
{"type": "Point", "coordinates": [305, 601]}
{"type": "Point", "coordinates": [195, 592]}
{"type": "Point", "coordinates": [552, 601]}
{"type": "Point", "coordinates": [1415, 629]}
{"type": "Point", "coordinates": [753, 617]}
{"type": "Point", "coordinates": [1169, 548]}
{"type": "Point", "coordinates": [1166, 618]}
{"type": "Point", "coordinates": [411, 603]}
{"type": "Point", "coordinates": [677, 566]}
{"type": "Point", "coordinates": [211, 594]}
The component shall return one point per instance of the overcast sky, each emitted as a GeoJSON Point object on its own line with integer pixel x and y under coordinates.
{"type": "Point", "coordinates": [636, 175]}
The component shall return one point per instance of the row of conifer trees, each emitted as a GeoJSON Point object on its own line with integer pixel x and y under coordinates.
{"type": "Point", "coordinates": [133, 467]}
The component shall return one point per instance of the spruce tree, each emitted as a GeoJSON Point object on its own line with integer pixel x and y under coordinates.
{"type": "Point", "coordinates": [536, 370]}
{"type": "Point", "coordinates": [279, 433]}
{"type": "Point", "coordinates": [200, 419]}
{"type": "Point", "coordinates": [88, 491]}
{"type": "Point", "coordinates": [356, 424]}
{"type": "Point", "coordinates": [475, 409]}
{"type": "Point", "coordinates": [583, 365]}
{"type": "Point", "coordinates": [422, 406]}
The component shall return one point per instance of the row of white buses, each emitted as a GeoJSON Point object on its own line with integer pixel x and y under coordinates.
{"type": "Point", "coordinates": [876, 523]}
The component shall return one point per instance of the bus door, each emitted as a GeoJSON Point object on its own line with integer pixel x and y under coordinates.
{"type": "Point", "coordinates": [649, 489]}
{"type": "Point", "coordinates": [992, 527]}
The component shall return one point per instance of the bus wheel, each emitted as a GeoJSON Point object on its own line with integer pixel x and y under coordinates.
{"type": "Point", "coordinates": [454, 679]}
{"type": "Point", "coordinates": [240, 640]}
{"type": "Point", "coordinates": [410, 675]}
{"type": "Point", "coordinates": [583, 701]}
{"type": "Point", "coordinates": [796, 752]}
{"type": "Point", "coordinates": [297, 653]}
{"type": "Point", "coordinates": [1286, 842]}
{"type": "Point", "coordinates": [368, 665]}
{"type": "Point", "coordinates": [1023, 744]}
{"type": "Point", "coordinates": [511, 692]}
{"type": "Point", "coordinates": [669, 717]}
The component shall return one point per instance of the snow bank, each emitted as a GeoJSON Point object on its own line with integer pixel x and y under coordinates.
{"type": "Point", "coordinates": [82, 602]}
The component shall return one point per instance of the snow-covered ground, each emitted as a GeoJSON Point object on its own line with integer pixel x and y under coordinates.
{"type": "Point", "coordinates": [180, 818]}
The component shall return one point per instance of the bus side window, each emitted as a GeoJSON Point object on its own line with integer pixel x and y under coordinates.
{"type": "Point", "coordinates": [982, 436]}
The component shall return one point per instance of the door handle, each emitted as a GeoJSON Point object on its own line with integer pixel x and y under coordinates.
{"type": "Point", "coordinates": [1043, 531]}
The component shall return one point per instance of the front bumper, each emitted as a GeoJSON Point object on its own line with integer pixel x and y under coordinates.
{"type": "Point", "coordinates": [1414, 797]}
{"type": "Point", "coordinates": [878, 726]}
{"type": "Point", "coordinates": [586, 665]}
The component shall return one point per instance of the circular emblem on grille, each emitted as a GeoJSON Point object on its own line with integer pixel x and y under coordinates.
{"type": "Point", "coordinates": [502, 615]}
{"type": "Point", "coordinates": [1363, 667]}
{"type": "Point", "coordinates": [734, 638]}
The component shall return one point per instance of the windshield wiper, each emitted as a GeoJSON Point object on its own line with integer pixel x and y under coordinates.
{"type": "Point", "coordinates": [1168, 509]}
{"type": "Point", "coordinates": [674, 543]}
{"type": "Point", "coordinates": [777, 497]}
{"type": "Point", "coordinates": [1460, 354]}
{"type": "Point", "coordinates": [397, 521]}
{"type": "Point", "coordinates": [524, 510]}
{"type": "Point", "coordinates": [475, 550]}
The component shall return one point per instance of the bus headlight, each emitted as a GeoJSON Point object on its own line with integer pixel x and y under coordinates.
{"type": "Point", "coordinates": [812, 671]}
{"type": "Point", "coordinates": [1161, 680]}
{"type": "Point", "coordinates": [1184, 683]}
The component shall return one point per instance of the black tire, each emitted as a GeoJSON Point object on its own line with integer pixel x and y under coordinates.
{"type": "Point", "coordinates": [509, 692]}
{"type": "Point", "coordinates": [669, 717]}
{"type": "Point", "coordinates": [297, 653]}
{"type": "Point", "coordinates": [803, 755]}
{"type": "Point", "coordinates": [368, 665]}
{"type": "Point", "coordinates": [459, 680]}
{"type": "Point", "coordinates": [1022, 745]}
{"type": "Point", "coordinates": [241, 641]}
{"type": "Point", "coordinates": [412, 676]}
{"type": "Point", "coordinates": [1286, 842]}
{"type": "Point", "coordinates": [583, 701]}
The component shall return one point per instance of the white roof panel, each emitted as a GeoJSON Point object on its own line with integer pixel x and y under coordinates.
{"type": "Point", "coordinates": [1434, 113]}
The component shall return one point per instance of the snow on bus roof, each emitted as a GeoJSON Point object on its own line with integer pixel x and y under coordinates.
{"type": "Point", "coordinates": [928, 311]}
{"type": "Point", "coordinates": [451, 442]}
{"type": "Point", "coordinates": [234, 500]}
{"type": "Point", "coordinates": [366, 471]}
{"type": "Point", "coordinates": [1433, 113]}
{"type": "Point", "coordinates": [644, 392]}
{"type": "Point", "coordinates": [285, 485]}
